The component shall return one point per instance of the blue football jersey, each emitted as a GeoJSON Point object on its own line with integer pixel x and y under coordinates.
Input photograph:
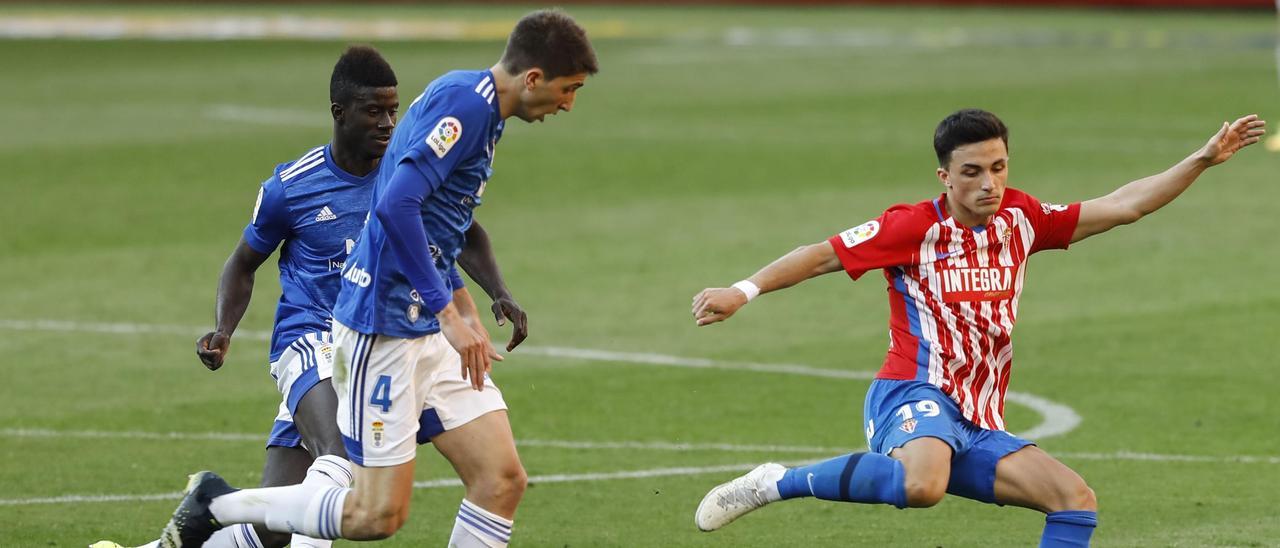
{"type": "Point", "coordinates": [316, 209]}
{"type": "Point", "coordinates": [448, 135]}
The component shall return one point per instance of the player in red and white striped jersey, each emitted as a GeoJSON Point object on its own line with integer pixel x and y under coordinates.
{"type": "Point", "coordinates": [954, 291]}
{"type": "Point", "coordinates": [934, 415]}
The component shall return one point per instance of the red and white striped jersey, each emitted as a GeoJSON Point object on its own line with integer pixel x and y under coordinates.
{"type": "Point", "coordinates": [953, 291]}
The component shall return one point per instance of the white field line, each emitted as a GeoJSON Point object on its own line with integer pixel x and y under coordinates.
{"type": "Point", "coordinates": [678, 447]}
{"type": "Point", "coordinates": [1057, 419]}
{"type": "Point", "coordinates": [548, 351]}
{"type": "Point", "coordinates": [425, 484]}
{"type": "Point", "coordinates": [1153, 457]}
{"type": "Point", "coordinates": [559, 444]}
{"type": "Point", "coordinates": [659, 473]}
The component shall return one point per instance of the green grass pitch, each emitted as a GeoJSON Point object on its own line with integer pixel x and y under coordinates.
{"type": "Point", "coordinates": [713, 141]}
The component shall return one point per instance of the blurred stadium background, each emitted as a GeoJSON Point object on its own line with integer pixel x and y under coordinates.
{"type": "Point", "coordinates": [716, 137]}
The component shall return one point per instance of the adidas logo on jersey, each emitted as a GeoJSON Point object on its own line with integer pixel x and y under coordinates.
{"type": "Point", "coordinates": [325, 214]}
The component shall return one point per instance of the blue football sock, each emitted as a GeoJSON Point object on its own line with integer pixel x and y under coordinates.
{"type": "Point", "coordinates": [1070, 529]}
{"type": "Point", "coordinates": [857, 477]}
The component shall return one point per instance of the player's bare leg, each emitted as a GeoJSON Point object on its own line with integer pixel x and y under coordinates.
{"type": "Point", "coordinates": [379, 505]}
{"type": "Point", "coordinates": [314, 419]}
{"type": "Point", "coordinates": [927, 466]}
{"type": "Point", "coordinates": [1030, 478]}
{"type": "Point", "coordinates": [483, 453]}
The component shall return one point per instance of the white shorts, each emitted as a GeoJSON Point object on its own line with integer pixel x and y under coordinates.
{"type": "Point", "coordinates": [302, 365]}
{"type": "Point", "coordinates": [394, 394]}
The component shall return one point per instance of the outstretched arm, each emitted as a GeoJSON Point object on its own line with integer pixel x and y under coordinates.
{"type": "Point", "coordinates": [235, 289]}
{"type": "Point", "coordinates": [1139, 198]}
{"type": "Point", "coordinates": [716, 304]}
{"type": "Point", "coordinates": [478, 261]}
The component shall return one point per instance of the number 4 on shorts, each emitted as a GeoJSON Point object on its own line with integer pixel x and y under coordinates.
{"type": "Point", "coordinates": [382, 393]}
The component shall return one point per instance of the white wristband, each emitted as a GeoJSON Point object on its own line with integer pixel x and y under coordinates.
{"type": "Point", "coordinates": [747, 288]}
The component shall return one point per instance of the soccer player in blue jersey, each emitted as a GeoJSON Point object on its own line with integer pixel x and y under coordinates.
{"type": "Point", "coordinates": [411, 367]}
{"type": "Point", "coordinates": [312, 209]}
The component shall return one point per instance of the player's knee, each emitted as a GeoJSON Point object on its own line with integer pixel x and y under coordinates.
{"type": "Point", "coordinates": [509, 484]}
{"type": "Point", "coordinates": [1083, 498]}
{"type": "Point", "coordinates": [331, 446]}
{"type": "Point", "coordinates": [926, 492]}
{"type": "Point", "coordinates": [378, 526]}
{"type": "Point", "coordinates": [1075, 495]}
{"type": "Point", "coordinates": [374, 523]}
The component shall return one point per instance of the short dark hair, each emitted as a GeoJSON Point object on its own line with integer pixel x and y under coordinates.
{"type": "Point", "coordinates": [552, 41]}
{"type": "Point", "coordinates": [963, 127]}
{"type": "Point", "coordinates": [359, 67]}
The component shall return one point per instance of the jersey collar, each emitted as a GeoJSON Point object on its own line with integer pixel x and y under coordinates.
{"type": "Point", "coordinates": [342, 174]}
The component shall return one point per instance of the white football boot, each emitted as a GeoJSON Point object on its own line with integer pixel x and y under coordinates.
{"type": "Point", "coordinates": [729, 501]}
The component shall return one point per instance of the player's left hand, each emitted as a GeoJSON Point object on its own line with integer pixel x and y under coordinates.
{"type": "Point", "coordinates": [716, 304]}
{"type": "Point", "coordinates": [1231, 138]}
{"type": "Point", "coordinates": [504, 308]}
{"type": "Point", "coordinates": [212, 349]}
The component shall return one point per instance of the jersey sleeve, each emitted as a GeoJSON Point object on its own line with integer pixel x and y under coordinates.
{"type": "Point", "coordinates": [457, 119]}
{"type": "Point", "coordinates": [400, 212]}
{"type": "Point", "coordinates": [1053, 224]}
{"type": "Point", "coordinates": [882, 242]}
{"type": "Point", "coordinates": [271, 222]}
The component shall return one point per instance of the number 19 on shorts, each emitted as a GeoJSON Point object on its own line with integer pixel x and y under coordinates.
{"type": "Point", "coordinates": [927, 408]}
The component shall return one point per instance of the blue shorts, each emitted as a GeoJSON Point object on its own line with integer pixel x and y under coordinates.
{"type": "Point", "coordinates": [897, 412]}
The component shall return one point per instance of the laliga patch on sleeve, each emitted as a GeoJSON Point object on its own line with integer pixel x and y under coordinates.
{"type": "Point", "coordinates": [444, 136]}
{"type": "Point", "coordinates": [1050, 209]}
{"type": "Point", "coordinates": [860, 233]}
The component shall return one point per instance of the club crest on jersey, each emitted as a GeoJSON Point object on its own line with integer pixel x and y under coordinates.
{"type": "Point", "coordinates": [414, 312]}
{"type": "Point", "coordinates": [377, 428]}
{"type": "Point", "coordinates": [908, 426]}
{"type": "Point", "coordinates": [444, 136]}
{"type": "Point", "coordinates": [860, 233]}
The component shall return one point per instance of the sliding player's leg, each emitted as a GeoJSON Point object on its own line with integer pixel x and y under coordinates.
{"type": "Point", "coordinates": [1030, 478]}
{"type": "Point", "coordinates": [912, 431]}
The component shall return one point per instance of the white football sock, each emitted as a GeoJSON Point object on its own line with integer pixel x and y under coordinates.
{"type": "Point", "coordinates": [312, 509]}
{"type": "Point", "coordinates": [476, 527]}
{"type": "Point", "coordinates": [240, 535]}
{"type": "Point", "coordinates": [327, 471]}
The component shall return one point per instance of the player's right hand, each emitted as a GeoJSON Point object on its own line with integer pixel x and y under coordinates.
{"type": "Point", "coordinates": [212, 349]}
{"type": "Point", "coordinates": [505, 307]}
{"type": "Point", "coordinates": [716, 304]}
{"type": "Point", "coordinates": [477, 353]}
